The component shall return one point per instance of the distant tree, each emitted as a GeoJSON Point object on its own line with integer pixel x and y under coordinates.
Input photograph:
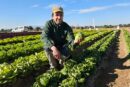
{"type": "Point", "coordinates": [86, 27]}
{"type": "Point", "coordinates": [108, 26]}
{"type": "Point", "coordinates": [5, 30]}
{"type": "Point", "coordinates": [128, 25]}
{"type": "Point", "coordinates": [30, 28]}
{"type": "Point", "coordinates": [9, 30]}
{"type": "Point", "coordinates": [38, 28]}
{"type": "Point", "coordinates": [2, 30]}
{"type": "Point", "coordinates": [121, 25]}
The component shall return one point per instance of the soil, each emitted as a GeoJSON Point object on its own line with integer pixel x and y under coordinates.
{"type": "Point", "coordinates": [116, 72]}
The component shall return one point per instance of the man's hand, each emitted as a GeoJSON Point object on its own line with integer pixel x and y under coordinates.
{"type": "Point", "coordinates": [77, 41]}
{"type": "Point", "coordinates": [56, 53]}
{"type": "Point", "coordinates": [78, 38]}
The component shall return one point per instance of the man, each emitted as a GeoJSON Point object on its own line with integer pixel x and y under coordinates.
{"type": "Point", "coordinates": [56, 36]}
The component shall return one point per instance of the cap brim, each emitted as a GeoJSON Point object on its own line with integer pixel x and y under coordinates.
{"type": "Point", "coordinates": [57, 11]}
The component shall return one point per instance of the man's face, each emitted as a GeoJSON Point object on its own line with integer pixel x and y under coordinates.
{"type": "Point", "coordinates": [58, 17]}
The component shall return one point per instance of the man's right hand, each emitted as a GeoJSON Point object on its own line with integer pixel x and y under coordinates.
{"type": "Point", "coordinates": [77, 41]}
{"type": "Point", "coordinates": [56, 53]}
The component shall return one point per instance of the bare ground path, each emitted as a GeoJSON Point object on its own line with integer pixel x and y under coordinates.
{"type": "Point", "coordinates": [117, 71]}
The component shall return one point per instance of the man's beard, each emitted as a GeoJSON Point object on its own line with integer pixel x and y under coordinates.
{"type": "Point", "coordinates": [59, 22]}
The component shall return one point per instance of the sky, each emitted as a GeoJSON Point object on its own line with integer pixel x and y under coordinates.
{"type": "Point", "coordinates": [15, 13]}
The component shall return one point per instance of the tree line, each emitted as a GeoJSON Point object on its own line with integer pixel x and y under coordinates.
{"type": "Point", "coordinates": [39, 29]}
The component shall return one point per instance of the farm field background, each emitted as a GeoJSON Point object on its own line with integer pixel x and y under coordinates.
{"type": "Point", "coordinates": [102, 53]}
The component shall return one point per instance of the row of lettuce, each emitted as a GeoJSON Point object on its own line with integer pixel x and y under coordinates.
{"type": "Point", "coordinates": [20, 39]}
{"type": "Point", "coordinates": [25, 65]}
{"type": "Point", "coordinates": [77, 69]}
{"type": "Point", "coordinates": [12, 50]}
{"type": "Point", "coordinates": [20, 50]}
{"type": "Point", "coordinates": [74, 72]}
{"type": "Point", "coordinates": [127, 38]}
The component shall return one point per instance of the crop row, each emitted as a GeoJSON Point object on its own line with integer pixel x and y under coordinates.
{"type": "Point", "coordinates": [15, 46]}
{"type": "Point", "coordinates": [75, 70]}
{"type": "Point", "coordinates": [21, 67]}
{"type": "Point", "coordinates": [23, 49]}
{"type": "Point", "coordinates": [23, 61]}
{"type": "Point", "coordinates": [127, 38]}
{"type": "Point", "coordinates": [12, 54]}
{"type": "Point", "coordinates": [18, 39]}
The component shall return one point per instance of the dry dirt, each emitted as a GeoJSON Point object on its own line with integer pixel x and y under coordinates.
{"type": "Point", "coordinates": [117, 71]}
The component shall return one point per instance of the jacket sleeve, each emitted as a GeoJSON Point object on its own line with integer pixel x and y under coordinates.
{"type": "Point", "coordinates": [46, 33]}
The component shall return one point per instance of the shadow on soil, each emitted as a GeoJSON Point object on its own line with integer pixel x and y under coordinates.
{"type": "Point", "coordinates": [107, 74]}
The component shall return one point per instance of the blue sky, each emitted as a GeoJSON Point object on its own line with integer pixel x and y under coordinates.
{"type": "Point", "coordinates": [76, 12]}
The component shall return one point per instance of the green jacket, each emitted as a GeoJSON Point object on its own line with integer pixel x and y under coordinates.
{"type": "Point", "coordinates": [57, 35]}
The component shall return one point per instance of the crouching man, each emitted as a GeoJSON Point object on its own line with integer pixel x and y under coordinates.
{"type": "Point", "coordinates": [56, 34]}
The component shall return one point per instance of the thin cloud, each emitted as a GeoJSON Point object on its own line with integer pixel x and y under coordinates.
{"type": "Point", "coordinates": [35, 5]}
{"type": "Point", "coordinates": [93, 9]}
{"type": "Point", "coordinates": [123, 4]}
{"type": "Point", "coordinates": [98, 8]}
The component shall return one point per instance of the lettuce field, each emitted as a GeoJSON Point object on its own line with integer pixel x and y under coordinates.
{"type": "Point", "coordinates": [23, 62]}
